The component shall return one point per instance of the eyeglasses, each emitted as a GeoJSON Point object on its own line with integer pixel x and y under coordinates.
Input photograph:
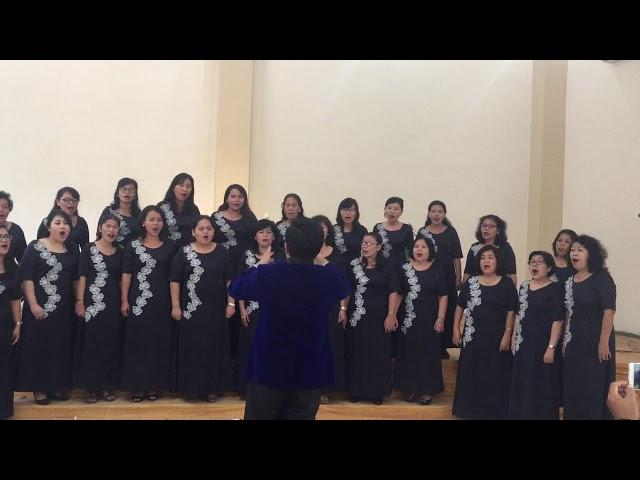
{"type": "Point", "coordinates": [536, 263]}
{"type": "Point", "coordinates": [368, 244]}
{"type": "Point", "coordinates": [488, 226]}
{"type": "Point", "coordinates": [5, 237]}
{"type": "Point", "coordinates": [348, 210]}
{"type": "Point", "coordinates": [128, 190]}
{"type": "Point", "coordinates": [69, 200]}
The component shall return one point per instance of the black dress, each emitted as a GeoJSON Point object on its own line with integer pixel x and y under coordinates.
{"type": "Point", "coordinates": [282, 227]}
{"type": "Point", "coordinates": [508, 257]}
{"type": "Point", "coordinates": [484, 372]}
{"type": "Point", "coordinates": [9, 290]}
{"type": "Point", "coordinates": [447, 246]}
{"type": "Point", "coordinates": [128, 226]}
{"type": "Point", "coordinates": [180, 224]}
{"type": "Point", "coordinates": [368, 346]}
{"type": "Point", "coordinates": [148, 331]}
{"type": "Point", "coordinates": [18, 242]}
{"type": "Point", "coordinates": [336, 333]}
{"type": "Point", "coordinates": [418, 364]}
{"type": "Point", "coordinates": [586, 380]}
{"type": "Point", "coordinates": [45, 350]}
{"type": "Point", "coordinates": [349, 244]}
{"type": "Point", "coordinates": [235, 236]}
{"type": "Point", "coordinates": [535, 390]}
{"type": "Point", "coordinates": [202, 352]}
{"type": "Point", "coordinates": [78, 237]}
{"type": "Point", "coordinates": [99, 333]}
{"type": "Point", "coordinates": [396, 245]}
{"type": "Point", "coordinates": [562, 274]}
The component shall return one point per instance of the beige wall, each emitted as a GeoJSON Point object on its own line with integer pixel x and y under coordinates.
{"type": "Point", "coordinates": [602, 169]}
{"type": "Point", "coordinates": [88, 123]}
{"type": "Point", "coordinates": [423, 130]}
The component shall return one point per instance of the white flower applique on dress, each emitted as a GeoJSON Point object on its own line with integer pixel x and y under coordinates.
{"type": "Point", "coordinates": [47, 282]}
{"type": "Point", "coordinates": [475, 299]}
{"type": "Point", "coordinates": [426, 233]}
{"type": "Point", "coordinates": [124, 228]}
{"type": "Point", "coordinates": [282, 228]}
{"type": "Point", "coordinates": [362, 280]}
{"type": "Point", "coordinates": [194, 278]}
{"type": "Point", "coordinates": [339, 239]}
{"type": "Point", "coordinates": [172, 223]}
{"type": "Point", "coordinates": [523, 296]}
{"type": "Point", "coordinates": [414, 289]}
{"type": "Point", "coordinates": [386, 246]}
{"type": "Point", "coordinates": [100, 281]}
{"type": "Point", "coordinates": [226, 229]}
{"type": "Point", "coordinates": [145, 288]}
{"type": "Point", "coordinates": [568, 303]}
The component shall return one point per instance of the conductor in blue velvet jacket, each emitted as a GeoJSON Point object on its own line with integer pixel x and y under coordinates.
{"type": "Point", "coordinates": [290, 358]}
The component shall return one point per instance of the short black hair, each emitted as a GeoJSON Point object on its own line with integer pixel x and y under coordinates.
{"type": "Point", "coordinates": [330, 240]}
{"type": "Point", "coordinates": [304, 238]}
{"type": "Point", "coordinates": [74, 194]}
{"type": "Point", "coordinates": [10, 265]}
{"type": "Point", "coordinates": [397, 200]}
{"type": "Point", "coordinates": [380, 260]}
{"type": "Point", "coordinates": [262, 224]}
{"type": "Point", "coordinates": [164, 233]}
{"type": "Point", "coordinates": [501, 236]}
{"type": "Point", "coordinates": [58, 213]}
{"type": "Point", "coordinates": [297, 198]}
{"type": "Point", "coordinates": [103, 219]}
{"type": "Point", "coordinates": [548, 260]}
{"type": "Point", "coordinates": [564, 231]}
{"type": "Point", "coordinates": [195, 223]}
{"type": "Point", "coordinates": [498, 255]}
{"type": "Point", "coordinates": [123, 182]}
{"type": "Point", "coordinates": [446, 220]}
{"type": "Point", "coordinates": [430, 246]}
{"type": "Point", "coordinates": [7, 197]}
{"type": "Point", "coordinates": [597, 253]}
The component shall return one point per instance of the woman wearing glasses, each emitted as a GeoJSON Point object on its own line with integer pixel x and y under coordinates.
{"type": "Point", "coordinates": [18, 242]}
{"type": "Point", "coordinates": [348, 232]}
{"type": "Point", "coordinates": [535, 388]}
{"type": "Point", "coordinates": [67, 200]}
{"type": "Point", "coordinates": [126, 208]}
{"type": "Point", "coordinates": [10, 320]}
{"type": "Point", "coordinates": [491, 230]}
{"type": "Point", "coordinates": [371, 319]}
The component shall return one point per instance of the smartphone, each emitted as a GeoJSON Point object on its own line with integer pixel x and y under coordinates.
{"type": "Point", "coordinates": [634, 375]}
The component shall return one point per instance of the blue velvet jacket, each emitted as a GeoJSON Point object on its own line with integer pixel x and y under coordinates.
{"type": "Point", "coordinates": [291, 349]}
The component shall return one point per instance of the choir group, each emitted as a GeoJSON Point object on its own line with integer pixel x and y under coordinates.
{"type": "Point", "coordinates": [145, 308]}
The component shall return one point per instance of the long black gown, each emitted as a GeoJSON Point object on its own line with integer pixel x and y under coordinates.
{"type": "Point", "coordinates": [18, 242]}
{"type": "Point", "coordinates": [484, 372]}
{"type": "Point", "coordinates": [368, 346]}
{"type": "Point", "coordinates": [447, 246]}
{"type": "Point", "coordinates": [508, 256]}
{"type": "Point", "coordinates": [337, 333]}
{"type": "Point", "coordinates": [128, 226]}
{"type": "Point", "coordinates": [45, 350]}
{"type": "Point", "coordinates": [148, 331]}
{"type": "Point", "coordinates": [586, 380]}
{"type": "Point", "coordinates": [78, 237]}
{"type": "Point", "coordinates": [99, 332]}
{"type": "Point", "coordinates": [396, 245]}
{"type": "Point", "coordinates": [349, 244]}
{"type": "Point", "coordinates": [235, 236]}
{"type": "Point", "coordinates": [179, 224]}
{"type": "Point", "coordinates": [282, 227]}
{"type": "Point", "coordinates": [560, 277]}
{"type": "Point", "coordinates": [418, 368]}
{"type": "Point", "coordinates": [9, 290]}
{"type": "Point", "coordinates": [535, 388]}
{"type": "Point", "coordinates": [202, 352]}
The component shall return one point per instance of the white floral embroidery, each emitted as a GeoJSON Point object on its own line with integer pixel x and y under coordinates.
{"type": "Point", "coordinates": [475, 248]}
{"type": "Point", "coordinates": [474, 301]}
{"type": "Point", "coordinates": [124, 228]}
{"type": "Point", "coordinates": [362, 280]}
{"type": "Point", "coordinates": [568, 303]}
{"type": "Point", "coordinates": [46, 282]}
{"type": "Point", "coordinates": [339, 239]}
{"type": "Point", "coordinates": [251, 261]}
{"type": "Point", "coordinates": [226, 229]}
{"type": "Point", "coordinates": [426, 233]}
{"type": "Point", "coordinates": [386, 246]}
{"type": "Point", "coordinates": [144, 286]}
{"type": "Point", "coordinates": [100, 281]}
{"type": "Point", "coordinates": [553, 278]}
{"type": "Point", "coordinates": [414, 288]}
{"type": "Point", "coordinates": [194, 278]}
{"type": "Point", "coordinates": [172, 223]}
{"type": "Point", "coordinates": [282, 227]}
{"type": "Point", "coordinates": [522, 297]}
{"type": "Point", "coordinates": [2, 288]}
